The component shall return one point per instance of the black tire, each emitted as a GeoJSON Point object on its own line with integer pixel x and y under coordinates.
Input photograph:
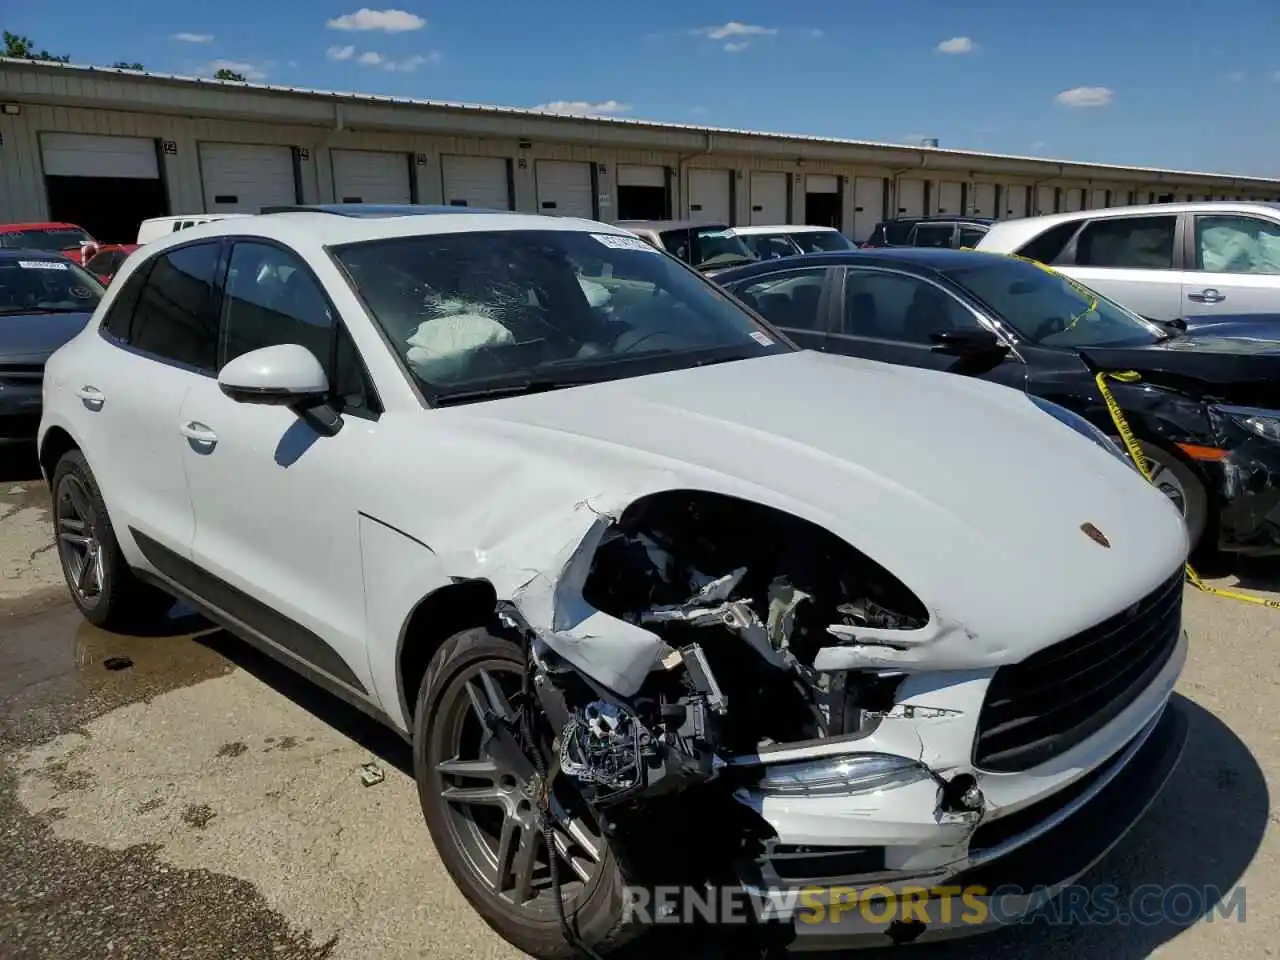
{"type": "Point", "coordinates": [596, 914]}
{"type": "Point", "coordinates": [1194, 499]}
{"type": "Point", "coordinates": [118, 600]}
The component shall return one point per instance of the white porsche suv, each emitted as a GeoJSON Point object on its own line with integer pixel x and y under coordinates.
{"type": "Point", "coordinates": [657, 598]}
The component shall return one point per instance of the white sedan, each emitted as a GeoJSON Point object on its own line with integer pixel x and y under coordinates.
{"type": "Point", "coordinates": [656, 597]}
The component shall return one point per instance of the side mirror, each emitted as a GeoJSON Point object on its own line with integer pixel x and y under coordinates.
{"type": "Point", "coordinates": [967, 343]}
{"type": "Point", "coordinates": [284, 375]}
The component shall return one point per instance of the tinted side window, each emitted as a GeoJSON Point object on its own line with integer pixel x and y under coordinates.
{"type": "Point", "coordinates": [970, 236]}
{"type": "Point", "coordinates": [1048, 246]}
{"type": "Point", "coordinates": [934, 234]}
{"type": "Point", "coordinates": [120, 314]}
{"type": "Point", "coordinates": [895, 306]}
{"type": "Point", "coordinates": [176, 317]}
{"type": "Point", "coordinates": [1137, 242]}
{"type": "Point", "coordinates": [898, 232]}
{"type": "Point", "coordinates": [273, 299]}
{"type": "Point", "coordinates": [787, 299]}
{"type": "Point", "coordinates": [1237, 245]}
{"type": "Point", "coordinates": [351, 386]}
{"type": "Point", "coordinates": [677, 243]}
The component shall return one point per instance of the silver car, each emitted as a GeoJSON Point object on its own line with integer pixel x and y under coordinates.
{"type": "Point", "coordinates": [1165, 261]}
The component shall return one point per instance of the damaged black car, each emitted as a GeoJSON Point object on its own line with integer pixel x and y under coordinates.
{"type": "Point", "coordinates": [1205, 407]}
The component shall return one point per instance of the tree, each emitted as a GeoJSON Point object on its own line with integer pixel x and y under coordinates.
{"type": "Point", "coordinates": [125, 65]}
{"type": "Point", "coordinates": [225, 74]}
{"type": "Point", "coordinates": [21, 48]}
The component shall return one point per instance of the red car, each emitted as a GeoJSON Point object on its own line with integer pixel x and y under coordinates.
{"type": "Point", "coordinates": [108, 259]}
{"type": "Point", "coordinates": [71, 241]}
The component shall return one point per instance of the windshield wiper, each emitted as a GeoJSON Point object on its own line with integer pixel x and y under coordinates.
{"type": "Point", "coordinates": [513, 389]}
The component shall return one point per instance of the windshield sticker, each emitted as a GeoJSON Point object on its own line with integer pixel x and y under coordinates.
{"type": "Point", "coordinates": [41, 265]}
{"type": "Point", "coordinates": [761, 339]}
{"type": "Point", "coordinates": [81, 293]}
{"type": "Point", "coordinates": [616, 242]}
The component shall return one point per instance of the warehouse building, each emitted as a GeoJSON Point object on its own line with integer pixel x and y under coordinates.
{"type": "Point", "coordinates": [107, 148]}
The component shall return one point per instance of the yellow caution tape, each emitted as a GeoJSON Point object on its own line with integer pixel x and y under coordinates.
{"type": "Point", "coordinates": [1140, 461]}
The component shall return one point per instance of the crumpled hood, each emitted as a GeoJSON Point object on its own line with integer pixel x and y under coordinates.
{"type": "Point", "coordinates": [35, 336]}
{"type": "Point", "coordinates": [1232, 361]}
{"type": "Point", "coordinates": [965, 490]}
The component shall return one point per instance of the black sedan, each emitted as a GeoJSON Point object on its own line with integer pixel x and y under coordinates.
{"type": "Point", "coordinates": [45, 300]}
{"type": "Point", "coordinates": [1207, 409]}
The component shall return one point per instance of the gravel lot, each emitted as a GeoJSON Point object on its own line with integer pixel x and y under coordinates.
{"type": "Point", "coordinates": [203, 803]}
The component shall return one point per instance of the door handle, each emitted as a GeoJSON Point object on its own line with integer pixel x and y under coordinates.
{"type": "Point", "coordinates": [1207, 296]}
{"type": "Point", "coordinates": [197, 432]}
{"type": "Point", "coordinates": [91, 397]}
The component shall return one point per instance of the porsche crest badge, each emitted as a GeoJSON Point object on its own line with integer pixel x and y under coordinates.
{"type": "Point", "coordinates": [1096, 535]}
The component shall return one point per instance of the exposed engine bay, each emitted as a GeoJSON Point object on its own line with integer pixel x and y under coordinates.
{"type": "Point", "coordinates": [744, 597]}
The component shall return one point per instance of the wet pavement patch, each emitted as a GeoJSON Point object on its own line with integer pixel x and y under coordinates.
{"type": "Point", "coordinates": [232, 749]}
{"type": "Point", "coordinates": [198, 815]}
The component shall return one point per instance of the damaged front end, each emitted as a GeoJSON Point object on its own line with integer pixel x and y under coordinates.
{"type": "Point", "coordinates": [725, 653]}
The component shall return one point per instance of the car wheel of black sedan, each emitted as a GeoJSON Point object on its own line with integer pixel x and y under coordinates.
{"type": "Point", "coordinates": [1179, 483]}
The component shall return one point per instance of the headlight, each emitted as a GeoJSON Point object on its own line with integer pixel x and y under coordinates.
{"type": "Point", "coordinates": [840, 775]}
{"type": "Point", "coordinates": [1262, 423]}
{"type": "Point", "coordinates": [1081, 426]}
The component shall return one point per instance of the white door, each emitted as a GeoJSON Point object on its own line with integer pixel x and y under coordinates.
{"type": "Point", "coordinates": [868, 206]}
{"type": "Point", "coordinates": [1045, 201]}
{"type": "Point", "coordinates": [370, 176]}
{"type": "Point", "coordinates": [984, 200]}
{"type": "Point", "coordinates": [1097, 199]}
{"type": "Point", "coordinates": [245, 177]}
{"type": "Point", "coordinates": [632, 175]}
{"type": "Point", "coordinates": [710, 196]}
{"type": "Point", "coordinates": [951, 198]}
{"type": "Point", "coordinates": [821, 183]}
{"type": "Point", "coordinates": [768, 198]}
{"type": "Point", "coordinates": [292, 572]}
{"type": "Point", "coordinates": [910, 198]}
{"type": "Point", "coordinates": [564, 189]}
{"type": "Point", "coordinates": [1016, 202]}
{"type": "Point", "coordinates": [475, 181]}
{"type": "Point", "coordinates": [1073, 199]}
{"type": "Point", "coordinates": [86, 155]}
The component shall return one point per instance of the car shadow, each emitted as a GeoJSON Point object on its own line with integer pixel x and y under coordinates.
{"type": "Point", "coordinates": [19, 463]}
{"type": "Point", "coordinates": [1248, 573]}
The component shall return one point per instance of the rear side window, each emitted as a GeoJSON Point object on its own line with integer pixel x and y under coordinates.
{"type": "Point", "coordinates": [1144, 243]}
{"type": "Point", "coordinates": [1048, 246]}
{"type": "Point", "coordinates": [934, 234]}
{"type": "Point", "coordinates": [897, 233]}
{"type": "Point", "coordinates": [176, 318]}
{"type": "Point", "coordinates": [273, 299]}
{"type": "Point", "coordinates": [120, 314]}
{"type": "Point", "coordinates": [970, 236]}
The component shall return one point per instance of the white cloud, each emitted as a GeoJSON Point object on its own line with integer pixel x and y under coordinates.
{"type": "Point", "coordinates": [388, 21]}
{"type": "Point", "coordinates": [340, 53]}
{"type": "Point", "coordinates": [1039, 145]}
{"type": "Point", "coordinates": [371, 58]}
{"type": "Point", "coordinates": [736, 47]}
{"type": "Point", "coordinates": [1236, 76]}
{"type": "Point", "coordinates": [193, 37]}
{"type": "Point", "coordinates": [817, 33]}
{"type": "Point", "coordinates": [584, 108]}
{"type": "Point", "coordinates": [956, 45]}
{"type": "Point", "coordinates": [249, 71]}
{"type": "Point", "coordinates": [1085, 97]}
{"type": "Point", "coordinates": [739, 35]}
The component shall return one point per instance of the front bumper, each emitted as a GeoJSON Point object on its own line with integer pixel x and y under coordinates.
{"type": "Point", "coordinates": [1248, 485]}
{"type": "Point", "coordinates": [20, 407]}
{"type": "Point", "coordinates": [1003, 883]}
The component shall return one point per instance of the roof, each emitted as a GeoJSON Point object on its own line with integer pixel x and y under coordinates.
{"type": "Point", "coordinates": [7, 253]}
{"type": "Point", "coordinates": [756, 229]}
{"type": "Point", "coordinates": [312, 227]}
{"type": "Point", "coordinates": [919, 259]}
{"type": "Point", "coordinates": [378, 210]}
{"type": "Point", "coordinates": [23, 227]}
{"type": "Point", "coordinates": [934, 157]}
{"type": "Point", "coordinates": [672, 225]}
{"type": "Point", "coordinates": [1016, 232]}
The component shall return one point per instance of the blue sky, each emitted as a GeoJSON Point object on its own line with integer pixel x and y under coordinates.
{"type": "Point", "coordinates": [1173, 83]}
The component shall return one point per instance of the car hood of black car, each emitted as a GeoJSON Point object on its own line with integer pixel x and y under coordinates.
{"type": "Point", "coordinates": [1243, 368]}
{"type": "Point", "coordinates": [37, 334]}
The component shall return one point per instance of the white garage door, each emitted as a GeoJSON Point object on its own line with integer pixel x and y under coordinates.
{"type": "Point", "coordinates": [984, 200]}
{"type": "Point", "coordinates": [910, 198]}
{"type": "Point", "coordinates": [1045, 200]}
{"type": "Point", "coordinates": [564, 189]}
{"type": "Point", "coordinates": [868, 206]}
{"type": "Point", "coordinates": [1073, 199]}
{"type": "Point", "coordinates": [630, 175]}
{"type": "Point", "coordinates": [245, 177]}
{"type": "Point", "coordinates": [1097, 199]}
{"type": "Point", "coordinates": [821, 183]}
{"type": "Point", "coordinates": [710, 196]}
{"type": "Point", "coordinates": [951, 198]}
{"type": "Point", "coordinates": [85, 155]}
{"type": "Point", "coordinates": [475, 182]}
{"type": "Point", "coordinates": [368, 176]}
{"type": "Point", "coordinates": [1016, 202]}
{"type": "Point", "coordinates": [768, 198]}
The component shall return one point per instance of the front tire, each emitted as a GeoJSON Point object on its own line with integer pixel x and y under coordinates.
{"type": "Point", "coordinates": [1182, 486]}
{"type": "Point", "coordinates": [101, 582]}
{"type": "Point", "coordinates": [483, 820]}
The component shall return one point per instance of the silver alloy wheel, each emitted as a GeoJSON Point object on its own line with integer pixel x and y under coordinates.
{"type": "Point", "coordinates": [493, 816]}
{"type": "Point", "coordinates": [1167, 482]}
{"type": "Point", "coordinates": [79, 546]}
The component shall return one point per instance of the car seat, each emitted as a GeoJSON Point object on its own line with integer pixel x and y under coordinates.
{"type": "Point", "coordinates": [929, 312]}
{"type": "Point", "coordinates": [861, 316]}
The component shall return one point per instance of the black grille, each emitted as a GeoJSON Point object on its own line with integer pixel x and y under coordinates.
{"type": "Point", "coordinates": [1059, 696]}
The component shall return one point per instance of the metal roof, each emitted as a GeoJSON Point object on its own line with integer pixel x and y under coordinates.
{"type": "Point", "coordinates": [632, 122]}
